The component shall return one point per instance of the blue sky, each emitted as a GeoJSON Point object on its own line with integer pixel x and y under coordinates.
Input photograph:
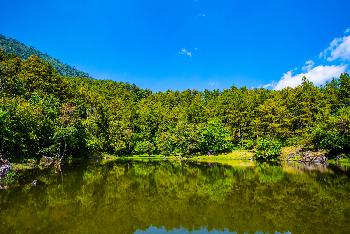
{"type": "Point", "coordinates": [195, 44]}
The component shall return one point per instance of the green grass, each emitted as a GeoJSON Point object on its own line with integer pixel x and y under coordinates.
{"type": "Point", "coordinates": [26, 165]}
{"type": "Point", "coordinates": [240, 158]}
{"type": "Point", "coordinates": [290, 150]}
{"type": "Point", "coordinates": [107, 158]}
{"type": "Point", "coordinates": [234, 155]}
{"type": "Point", "coordinates": [343, 162]}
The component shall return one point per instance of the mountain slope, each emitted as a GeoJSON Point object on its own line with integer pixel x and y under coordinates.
{"type": "Point", "coordinates": [23, 51]}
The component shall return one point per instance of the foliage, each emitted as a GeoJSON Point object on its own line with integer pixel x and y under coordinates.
{"type": "Point", "coordinates": [10, 178]}
{"type": "Point", "coordinates": [144, 147]}
{"type": "Point", "coordinates": [248, 144]}
{"type": "Point", "coordinates": [43, 113]}
{"type": "Point", "coordinates": [268, 149]}
{"type": "Point", "coordinates": [334, 135]}
{"type": "Point", "coordinates": [214, 137]}
{"type": "Point", "coordinates": [12, 46]}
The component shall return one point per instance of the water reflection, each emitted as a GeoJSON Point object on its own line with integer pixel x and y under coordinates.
{"type": "Point", "coordinates": [155, 230]}
{"type": "Point", "coordinates": [137, 197]}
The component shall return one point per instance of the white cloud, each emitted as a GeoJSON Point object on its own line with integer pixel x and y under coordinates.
{"type": "Point", "coordinates": [339, 48]}
{"type": "Point", "coordinates": [308, 65]}
{"type": "Point", "coordinates": [185, 52]}
{"type": "Point", "coordinates": [347, 31]}
{"type": "Point", "coordinates": [317, 75]}
{"type": "Point", "coordinates": [266, 86]}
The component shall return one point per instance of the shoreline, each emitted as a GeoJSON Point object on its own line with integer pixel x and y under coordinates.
{"type": "Point", "coordinates": [236, 158]}
{"type": "Point", "coordinates": [236, 155]}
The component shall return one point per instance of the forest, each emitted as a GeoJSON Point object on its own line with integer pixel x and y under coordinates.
{"type": "Point", "coordinates": [12, 46]}
{"type": "Point", "coordinates": [43, 113]}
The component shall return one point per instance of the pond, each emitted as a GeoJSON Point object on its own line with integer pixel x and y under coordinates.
{"type": "Point", "coordinates": [177, 197]}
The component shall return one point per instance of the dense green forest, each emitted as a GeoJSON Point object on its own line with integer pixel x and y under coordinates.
{"type": "Point", "coordinates": [13, 46]}
{"type": "Point", "coordinates": [44, 113]}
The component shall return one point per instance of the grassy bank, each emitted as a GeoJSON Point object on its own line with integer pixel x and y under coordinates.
{"type": "Point", "coordinates": [234, 158]}
{"type": "Point", "coordinates": [291, 153]}
{"type": "Point", "coordinates": [238, 158]}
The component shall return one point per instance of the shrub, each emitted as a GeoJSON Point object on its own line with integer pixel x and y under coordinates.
{"type": "Point", "coordinates": [333, 141]}
{"type": "Point", "coordinates": [214, 137]}
{"type": "Point", "coordinates": [268, 149]}
{"type": "Point", "coordinates": [247, 144]}
{"type": "Point", "coordinates": [10, 178]}
{"type": "Point", "coordinates": [334, 136]}
{"type": "Point", "coordinates": [144, 147]}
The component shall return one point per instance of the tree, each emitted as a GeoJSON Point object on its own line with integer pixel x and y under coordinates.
{"type": "Point", "coordinates": [144, 147]}
{"type": "Point", "coordinates": [344, 89]}
{"type": "Point", "coordinates": [267, 149]}
{"type": "Point", "coordinates": [334, 135]}
{"type": "Point", "coordinates": [44, 113]}
{"type": "Point", "coordinates": [215, 137]}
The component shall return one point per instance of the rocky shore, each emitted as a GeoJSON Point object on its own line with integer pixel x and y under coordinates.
{"type": "Point", "coordinates": [307, 157]}
{"type": "Point", "coordinates": [5, 168]}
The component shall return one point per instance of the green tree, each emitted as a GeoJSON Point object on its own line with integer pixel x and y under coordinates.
{"type": "Point", "coordinates": [268, 149]}
{"type": "Point", "coordinates": [215, 137]}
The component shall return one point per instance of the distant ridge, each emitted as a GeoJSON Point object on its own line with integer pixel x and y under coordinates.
{"type": "Point", "coordinates": [23, 51]}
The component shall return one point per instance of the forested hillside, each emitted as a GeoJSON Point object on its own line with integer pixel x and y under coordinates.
{"type": "Point", "coordinates": [44, 113]}
{"type": "Point", "coordinates": [12, 46]}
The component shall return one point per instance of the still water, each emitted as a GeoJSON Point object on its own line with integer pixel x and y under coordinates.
{"type": "Point", "coordinates": [175, 197]}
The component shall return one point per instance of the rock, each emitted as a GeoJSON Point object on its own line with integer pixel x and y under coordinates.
{"type": "Point", "coordinates": [317, 157]}
{"type": "Point", "coordinates": [34, 183]}
{"type": "Point", "coordinates": [4, 169]}
{"type": "Point", "coordinates": [37, 183]}
{"type": "Point", "coordinates": [47, 161]}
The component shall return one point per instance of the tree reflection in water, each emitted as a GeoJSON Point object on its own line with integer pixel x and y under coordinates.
{"type": "Point", "coordinates": [131, 197]}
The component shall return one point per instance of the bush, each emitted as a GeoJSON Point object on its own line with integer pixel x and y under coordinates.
{"type": "Point", "coordinates": [247, 144]}
{"type": "Point", "coordinates": [214, 137]}
{"type": "Point", "coordinates": [268, 149]}
{"type": "Point", "coordinates": [144, 147]}
{"type": "Point", "coordinates": [333, 141]}
{"type": "Point", "coordinates": [334, 136]}
{"type": "Point", "coordinates": [10, 178]}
